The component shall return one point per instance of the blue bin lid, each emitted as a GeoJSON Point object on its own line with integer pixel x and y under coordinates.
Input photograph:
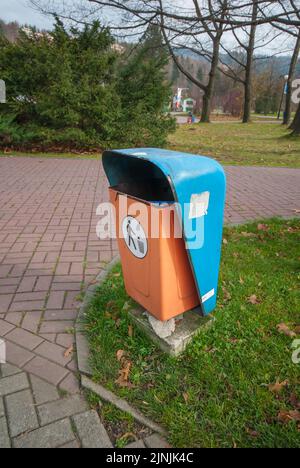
{"type": "Point", "coordinates": [191, 178]}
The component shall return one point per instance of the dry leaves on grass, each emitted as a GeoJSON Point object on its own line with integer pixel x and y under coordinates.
{"type": "Point", "coordinates": [130, 331]}
{"type": "Point", "coordinates": [294, 401]}
{"type": "Point", "coordinates": [225, 241]}
{"type": "Point", "coordinates": [253, 299]}
{"type": "Point", "coordinates": [123, 379]}
{"type": "Point", "coordinates": [248, 234]}
{"type": "Point", "coordinates": [120, 354]}
{"type": "Point", "coordinates": [252, 433]}
{"type": "Point", "coordinates": [278, 386]}
{"type": "Point", "coordinates": [283, 328]}
{"type": "Point", "coordinates": [297, 329]}
{"type": "Point", "coordinates": [287, 416]}
{"type": "Point", "coordinates": [226, 293]}
{"type": "Point", "coordinates": [262, 227]}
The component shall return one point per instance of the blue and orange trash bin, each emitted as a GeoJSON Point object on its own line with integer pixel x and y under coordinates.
{"type": "Point", "coordinates": [169, 219]}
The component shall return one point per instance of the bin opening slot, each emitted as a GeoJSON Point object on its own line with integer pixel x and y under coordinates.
{"type": "Point", "coordinates": [137, 177]}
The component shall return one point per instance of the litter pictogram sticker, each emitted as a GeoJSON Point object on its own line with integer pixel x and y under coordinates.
{"type": "Point", "coordinates": [135, 237]}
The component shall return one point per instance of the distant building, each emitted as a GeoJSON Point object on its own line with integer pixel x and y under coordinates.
{"type": "Point", "coordinates": [36, 34]}
{"type": "Point", "coordinates": [118, 48]}
{"type": "Point", "coordinates": [188, 105]}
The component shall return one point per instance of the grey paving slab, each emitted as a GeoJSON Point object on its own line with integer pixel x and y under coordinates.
{"type": "Point", "coordinates": [13, 384]}
{"type": "Point", "coordinates": [21, 413]}
{"type": "Point", "coordinates": [91, 431]}
{"type": "Point", "coordinates": [62, 408]}
{"type": "Point", "coordinates": [43, 392]}
{"type": "Point", "coordinates": [51, 436]}
{"type": "Point", "coordinates": [4, 437]}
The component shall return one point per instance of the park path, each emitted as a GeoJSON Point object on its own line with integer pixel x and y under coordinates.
{"type": "Point", "coordinates": [49, 253]}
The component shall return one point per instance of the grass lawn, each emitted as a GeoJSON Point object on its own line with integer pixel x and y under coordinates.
{"type": "Point", "coordinates": [259, 144]}
{"type": "Point", "coordinates": [219, 393]}
{"type": "Point", "coordinates": [50, 155]}
{"type": "Point", "coordinates": [255, 144]}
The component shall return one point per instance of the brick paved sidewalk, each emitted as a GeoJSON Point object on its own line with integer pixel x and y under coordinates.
{"type": "Point", "coordinates": [49, 252]}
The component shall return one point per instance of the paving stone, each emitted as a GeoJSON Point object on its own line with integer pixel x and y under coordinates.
{"type": "Point", "coordinates": [17, 355]}
{"type": "Point", "coordinates": [155, 441]}
{"type": "Point", "coordinates": [91, 431]}
{"type": "Point", "coordinates": [21, 413]}
{"type": "Point", "coordinates": [4, 437]}
{"type": "Point", "coordinates": [5, 327]}
{"type": "Point", "coordinates": [51, 436]}
{"type": "Point", "coordinates": [63, 408]}
{"type": "Point", "coordinates": [70, 384]}
{"type": "Point", "coordinates": [59, 326]}
{"type": "Point", "coordinates": [43, 392]}
{"type": "Point", "coordinates": [24, 338]}
{"type": "Point", "coordinates": [71, 445]}
{"type": "Point", "coordinates": [54, 352]}
{"type": "Point", "coordinates": [65, 339]}
{"type": "Point", "coordinates": [138, 444]}
{"type": "Point", "coordinates": [7, 370]}
{"type": "Point", "coordinates": [5, 300]}
{"type": "Point", "coordinates": [13, 384]}
{"type": "Point", "coordinates": [52, 373]}
{"type": "Point", "coordinates": [2, 412]}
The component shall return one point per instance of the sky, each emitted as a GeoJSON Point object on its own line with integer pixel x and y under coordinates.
{"type": "Point", "coordinates": [20, 11]}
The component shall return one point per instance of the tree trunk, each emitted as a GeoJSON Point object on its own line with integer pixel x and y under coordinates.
{"type": "Point", "coordinates": [208, 93]}
{"type": "Point", "coordinates": [292, 70]}
{"type": "Point", "coordinates": [249, 65]}
{"type": "Point", "coordinates": [206, 108]}
{"type": "Point", "coordinates": [296, 123]}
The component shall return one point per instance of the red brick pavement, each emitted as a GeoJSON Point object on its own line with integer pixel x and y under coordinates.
{"type": "Point", "coordinates": [49, 249]}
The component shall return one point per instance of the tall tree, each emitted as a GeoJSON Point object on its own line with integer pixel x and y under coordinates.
{"type": "Point", "coordinates": [295, 126]}
{"type": "Point", "coordinates": [145, 92]}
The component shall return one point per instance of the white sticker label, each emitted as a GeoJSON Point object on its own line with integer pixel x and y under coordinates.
{"type": "Point", "coordinates": [135, 237]}
{"type": "Point", "coordinates": [199, 205]}
{"type": "Point", "coordinates": [208, 295]}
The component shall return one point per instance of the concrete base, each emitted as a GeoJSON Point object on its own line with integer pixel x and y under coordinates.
{"type": "Point", "coordinates": [191, 324]}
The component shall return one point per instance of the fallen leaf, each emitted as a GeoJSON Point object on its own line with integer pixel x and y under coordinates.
{"type": "Point", "coordinates": [235, 254]}
{"type": "Point", "coordinates": [120, 354]}
{"type": "Point", "coordinates": [128, 435]}
{"type": "Point", "coordinates": [130, 331]}
{"type": "Point", "coordinates": [262, 227]}
{"type": "Point", "coordinates": [225, 241]}
{"type": "Point", "coordinates": [278, 386]}
{"type": "Point", "coordinates": [185, 396]}
{"type": "Point", "coordinates": [233, 340]}
{"type": "Point", "coordinates": [287, 416]}
{"type": "Point", "coordinates": [241, 281]}
{"type": "Point", "coordinates": [283, 328]}
{"type": "Point", "coordinates": [227, 295]}
{"type": "Point", "coordinates": [69, 351]}
{"type": "Point", "coordinates": [248, 234]}
{"type": "Point", "coordinates": [253, 299]}
{"type": "Point", "coordinates": [252, 433]}
{"type": "Point", "coordinates": [117, 275]}
{"type": "Point", "coordinates": [122, 380]}
{"type": "Point", "coordinates": [294, 401]}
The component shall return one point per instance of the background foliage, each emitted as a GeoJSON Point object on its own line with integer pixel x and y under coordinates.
{"type": "Point", "coordinates": [72, 90]}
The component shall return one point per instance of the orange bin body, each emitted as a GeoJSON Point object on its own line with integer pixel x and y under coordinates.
{"type": "Point", "coordinates": [162, 281]}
